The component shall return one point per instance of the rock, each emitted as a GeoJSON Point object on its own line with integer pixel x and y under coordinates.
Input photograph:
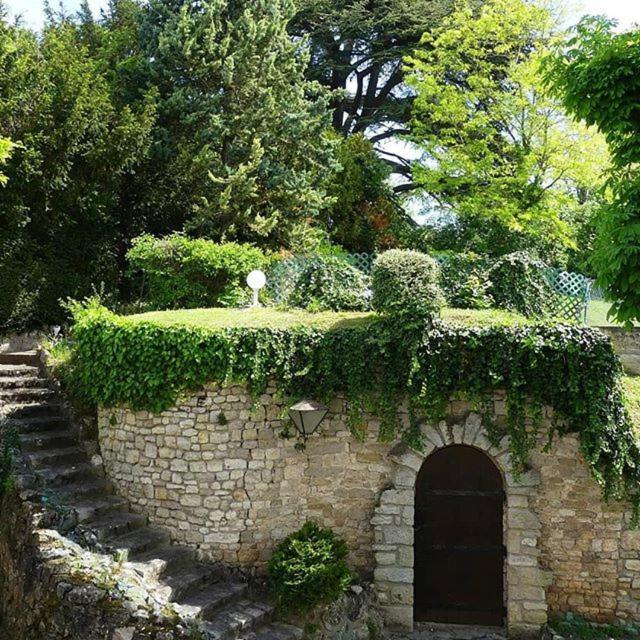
{"type": "Point", "coordinates": [125, 633]}
{"type": "Point", "coordinates": [356, 588]}
{"type": "Point", "coordinates": [87, 594]}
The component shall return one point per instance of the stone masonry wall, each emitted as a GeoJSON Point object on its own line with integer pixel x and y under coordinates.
{"type": "Point", "coordinates": [218, 475]}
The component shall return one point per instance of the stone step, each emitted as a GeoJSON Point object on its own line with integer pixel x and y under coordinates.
{"type": "Point", "coordinates": [25, 396]}
{"type": "Point", "coordinates": [204, 603]}
{"type": "Point", "coordinates": [180, 582]}
{"type": "Point", "coordinates": [90, 509]}
{"type": "Point", "coordinates": [41, 424]}
{"type": "Point", "coordinates": [34, 410]}
{"type": "Point", "coordinates": [22, 382]}
{"type": "Point", "coordinates": [30, 358]}
{"type": "Point", "coordinates": [66, 474]}
{"type": "Point", "coordinates": [156, 563]}
{"type": "Point", "coordinates": [139, 542]}
{"type": "Point", "coordinates": [237, 619]}
{"type": "Point", "coordinates": [93, 488]}
{"type": "Point", "coordinates": [112, 525]}
{"type": "Point", "coordinates": [53, 439]}
{"type": "Point", "coordinates": [275, 631]}
{"type": "Point", "coordinates": [57, 457]}
{"type": "Point", "coordinates": [18, 371]}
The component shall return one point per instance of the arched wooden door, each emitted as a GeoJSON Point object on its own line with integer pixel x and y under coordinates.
{"type": "Point", "coordinates": [458, 541]}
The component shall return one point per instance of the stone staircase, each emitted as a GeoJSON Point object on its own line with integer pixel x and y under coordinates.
{"type": "Point", "coordinates": [204, 592]}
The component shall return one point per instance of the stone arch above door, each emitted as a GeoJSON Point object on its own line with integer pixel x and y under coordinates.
{"type": "Point", "coordinates": [393, 523]}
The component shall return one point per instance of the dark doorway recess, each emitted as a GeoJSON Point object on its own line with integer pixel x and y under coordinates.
{"type": "Point", "coordinates": [458, 541]}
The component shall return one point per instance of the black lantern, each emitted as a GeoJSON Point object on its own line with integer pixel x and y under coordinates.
{"type": "Point", "coordinates": [307, 416]}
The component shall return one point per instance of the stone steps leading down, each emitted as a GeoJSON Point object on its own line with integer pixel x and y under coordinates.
{"type": "Point", "coordinates": [53, 451]}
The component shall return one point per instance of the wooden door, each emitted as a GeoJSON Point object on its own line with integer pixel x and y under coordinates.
{"type": "Point", "coordinates": [458, 541]}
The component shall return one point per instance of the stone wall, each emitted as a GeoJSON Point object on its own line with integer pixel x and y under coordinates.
{"type": "Point", "coordinates": [51, 588]}
{"type": "Point", "coordinates": [217, 474]}
{"type": "Point", "coordinates": [626, 342]}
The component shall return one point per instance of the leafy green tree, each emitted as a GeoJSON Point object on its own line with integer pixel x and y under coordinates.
{"type": "Point", "coordinates": [60, 210]}
{"type": "Point", "coordinates": [357, 49]}
{"type": "Point", "coordinates": [6, 146]}
{"type": "Point", "coordinates": [365, 216]}
{"type": "Point", "coordinates": [500, 152]}
{"type": "Point", "coordinates": [241, 134]}
{"type": "Point", "coordinates": [596, 76]}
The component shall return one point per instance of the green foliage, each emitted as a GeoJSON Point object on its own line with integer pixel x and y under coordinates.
{"type": "Point", "coordinates": [357, 48]}
{"type": "Point", "coordinates": [61, 207]}
{"type": "Point", "coordinates": [504, 158]}
{"type": "Point", "coordinates": [405, 285]}
{"type": "Point", "coordinates": [596, 77]}
{"type": "Point", "coordinates": [364, 214]}
{"type": "Point", "coordinates": [574, 627]}
{"type": "Point", "coordinates": [308, 568]}
{"type": "Point", "coordinates": [377, 365]}
{"type": "Point", "coordinates": [9, 444]}
{"type": "Point", "coordinates": [242, 142]}
{"type": "Point", "coordinates": [6, 146]}
{"type": "Point", "coordinates": [518, 283]}
{"type": "Point", "coordinates": [464, 281]}
{"type": "Point", "coordinates": [182, 272]}
{"type": "Point", "coordinates": [329, 283]}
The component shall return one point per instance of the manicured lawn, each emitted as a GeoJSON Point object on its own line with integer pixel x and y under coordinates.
{"type": "Point", "coordinates": [597, 314]}
{"type": "Point", "coordinates": [268, 317]}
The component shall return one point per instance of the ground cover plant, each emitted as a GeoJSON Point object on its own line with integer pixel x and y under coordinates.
{"type": "Point", "coordinates": [146, 361]}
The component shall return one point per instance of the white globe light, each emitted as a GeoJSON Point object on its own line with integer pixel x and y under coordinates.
{"type": "Point", "coordinates": [256, 280]}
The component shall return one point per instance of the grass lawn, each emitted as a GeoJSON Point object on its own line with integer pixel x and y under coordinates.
{"type": "Point", "coordinates": [597, 314]}
{"type": "Point", "coordinates": [268, 317]}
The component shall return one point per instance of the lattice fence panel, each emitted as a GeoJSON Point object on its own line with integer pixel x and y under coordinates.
{"type": "Point", "coordinates": [571, 291]}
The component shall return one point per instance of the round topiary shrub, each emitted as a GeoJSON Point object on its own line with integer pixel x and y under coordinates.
{"type": "Point", "coordinates": [518, 282]}
{"type": "Point", "coordinates": [405, 284]}
{"type": "Point", "coordinates": [308, 568]}
{"type": "Point", "coordinates": [329, 283]}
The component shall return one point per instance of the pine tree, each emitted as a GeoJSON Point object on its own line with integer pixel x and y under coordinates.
{"type": "Point", "coordinates": [241, 134]}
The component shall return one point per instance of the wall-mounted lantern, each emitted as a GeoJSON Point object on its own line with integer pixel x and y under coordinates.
{"type": "Point", "coordinates": [307, 416]}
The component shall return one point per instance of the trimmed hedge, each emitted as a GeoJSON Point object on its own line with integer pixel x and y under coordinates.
{"type": "Point", "coordinates": [181, 272]}
{"type": "Point", "coordinates": [405, 285]}
{"type": "Point", "coordinates": [518, 283]}
{"type": "Point", "coordinates": [327, 283]}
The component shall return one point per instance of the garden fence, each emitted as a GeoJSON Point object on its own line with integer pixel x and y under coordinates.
{"type": "Point", "coordinates": [570, 298]}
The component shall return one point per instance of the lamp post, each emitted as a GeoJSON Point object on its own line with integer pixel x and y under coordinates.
{"type": "Point", "coordinates": [307, 416]}
{"type": "Point", "coordinates": [256, 280]}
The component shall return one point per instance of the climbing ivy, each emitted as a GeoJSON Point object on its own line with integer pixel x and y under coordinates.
{"type": "Point", "coordinates": [145, 365]}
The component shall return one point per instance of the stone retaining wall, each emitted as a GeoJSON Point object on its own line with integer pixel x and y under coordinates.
{"type": "Point", "coordinates": [218, 475]}
{"type": "Point", "coordinates": [626, 342]}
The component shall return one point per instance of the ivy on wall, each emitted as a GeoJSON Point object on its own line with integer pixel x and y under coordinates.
{"type": "Point", "coordinates": [121, 361]}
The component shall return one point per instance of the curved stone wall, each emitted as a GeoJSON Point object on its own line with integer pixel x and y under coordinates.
{"type": "Point", "coordinates": [215, 471]}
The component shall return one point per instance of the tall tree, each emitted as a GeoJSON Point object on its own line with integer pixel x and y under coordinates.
{"type": "Point", "coordinates": [596, 76]}
{"type": "Point", "coordinates": [59, 212]}
{"type": "Point", "coordinates": [357, 50]}
{"type": "Point", "coordinates": [242, 145]}
{"type": "Point", "coordinates": [500, 152]}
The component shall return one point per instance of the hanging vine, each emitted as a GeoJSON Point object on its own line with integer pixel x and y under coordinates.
{"type": "Point", "coordinates": [376, 365]}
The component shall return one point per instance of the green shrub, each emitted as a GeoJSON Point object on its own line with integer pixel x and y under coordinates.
{"type": "Point", "coordinates": [308, 568]}
{"type": "Point", "coordinates": [518, 283]}
{"type": "Point", "coordinates": [405, 284]}
{"type": "Point", "coordinates": [180, 272]}
{"type": "Point", "coordinates": [464, 281]}
{"type": "Point", "coordinates": [328, 283]}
